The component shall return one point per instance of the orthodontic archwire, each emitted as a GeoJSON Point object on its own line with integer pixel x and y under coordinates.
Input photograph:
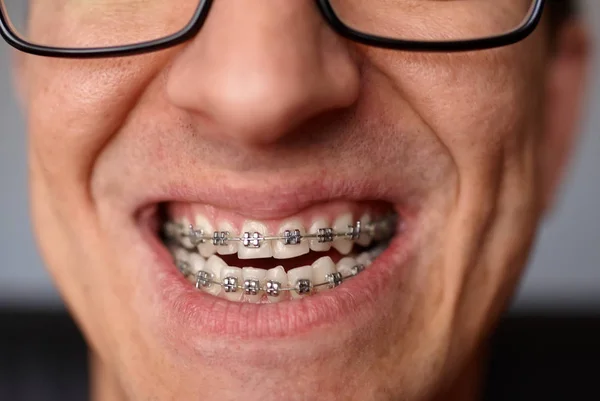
{"type": "Point", "coordinates": [381, 229]}
{"type": "Point", "coordinates": [378, 230]}
{"type": "Point", "coordinates": [272, 288]}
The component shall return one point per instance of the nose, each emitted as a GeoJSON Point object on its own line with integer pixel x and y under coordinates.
{"type": "Point", "coordinates": [258, 69]}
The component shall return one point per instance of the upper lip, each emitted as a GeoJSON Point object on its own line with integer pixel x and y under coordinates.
{"type": "Point", "coordinates": [261, 199]}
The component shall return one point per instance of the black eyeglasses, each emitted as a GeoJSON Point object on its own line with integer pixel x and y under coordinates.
{"type": "Point", "coordinates": [109, 28]}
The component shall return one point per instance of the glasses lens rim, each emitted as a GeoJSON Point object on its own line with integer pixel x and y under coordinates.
{"type": "Point", "coordinates": [527, 26]}
{"type": "Point", "coordinates": [15, 38]}
{"type": "Point", "coordinates": [195, 24]}
{"type": "Point", "coordinates": [349, 19]}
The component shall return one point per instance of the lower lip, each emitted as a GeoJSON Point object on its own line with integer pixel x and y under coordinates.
{"type": "Point", "coordinates": [186, 306]}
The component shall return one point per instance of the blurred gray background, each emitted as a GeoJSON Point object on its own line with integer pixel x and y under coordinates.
{"type": "Point", "coordinates": [564, 272]}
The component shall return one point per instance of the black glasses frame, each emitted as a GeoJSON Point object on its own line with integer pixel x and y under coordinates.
{"type": "Point", "coordinates": [201, 13]}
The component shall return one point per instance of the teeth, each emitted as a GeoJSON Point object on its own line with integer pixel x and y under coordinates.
{"type": "Point", "coordinates": [196, 263]}
{"type": "Point", "coordinates": [231, 278]}
{"type": "Point", "coordinates": [365, 239]}
{"type": "Point", "coordinates": [180, 254]}
{"type": "Point", "coordinates": [315, 245]}
{"type": "Point", "coordinates": [173, 230]}
{"type": "Point", "coordinates": [345, 265]}
{"type": "Point", "coordinates": [232, 246]}
{"type": "Point", "coordinates": [298, 276]}
{"type": "Point", "coordinates": [321, 268]}
{"type": "Point", "coordinates": [378, 250]}
{"type": "Point", "coordinates": [214, 265]}
{"type": "Point", "coordinates": [206, 248]}
{"type": "Point", "coordinates": [290, 241]}
{"type": "Point", "coordinates": [263, 251]}
{"type": "Point", "coordinates": [278, 275]}
{"type": "Point", "coordinates": [342, 245]}
{"type": "Point", "coordinates": [186, 241]}
{"type": "Point", "coordinates": [253, 274]}
{"type": "Point", "coordinates": [364, 259]}
{"type": "Point", "coordinates": [251, 284]}
{"type": "Point", "coordinates": [283, 251]}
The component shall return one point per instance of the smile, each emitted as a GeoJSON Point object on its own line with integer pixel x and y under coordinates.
{"type": "Point", "coordinates": [248, 266]}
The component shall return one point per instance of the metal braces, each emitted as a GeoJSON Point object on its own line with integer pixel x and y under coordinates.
{"type": "Point", "coordinates": [272, 288]}
{"type": "Point", "coordinates": [379, 230]}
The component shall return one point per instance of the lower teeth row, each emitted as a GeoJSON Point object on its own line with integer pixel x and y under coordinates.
{"type": "Point", "coordinates": [250, 284]}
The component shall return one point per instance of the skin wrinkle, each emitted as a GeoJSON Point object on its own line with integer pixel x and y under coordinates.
{"type": "Point", "coordinates": [455, 138]}
{"type": "Point", "coordinates": [499, 303]}
{"type": "Point", "coordinates": [486, 224]}
{"type": "Point", "coordinates": [487, 240]}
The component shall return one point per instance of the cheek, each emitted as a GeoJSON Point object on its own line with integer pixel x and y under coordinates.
{"type": "Point", "coordinates": [483, 110]}
{"type": "Point", "coordinates": [78, 106]}
{"type": "Point", "coordinates": [474, 103]}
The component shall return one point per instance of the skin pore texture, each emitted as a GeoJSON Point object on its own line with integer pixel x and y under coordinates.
{"type": "Point", "coordinates": [265, 99]}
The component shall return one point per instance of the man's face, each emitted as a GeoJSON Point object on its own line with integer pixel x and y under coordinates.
{"type": "Point", "coordinates": [267, 121]}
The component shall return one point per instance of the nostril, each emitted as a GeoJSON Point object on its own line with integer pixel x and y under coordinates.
{"type": "Point", "coordinates": [257, 116]}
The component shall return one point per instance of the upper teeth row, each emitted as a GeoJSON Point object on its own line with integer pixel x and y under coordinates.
{"type": "Point", "coordinates": [255, 241]}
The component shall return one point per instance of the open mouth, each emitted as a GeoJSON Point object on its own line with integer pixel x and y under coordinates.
{"type": "Point", "coordinates": [225, 255]}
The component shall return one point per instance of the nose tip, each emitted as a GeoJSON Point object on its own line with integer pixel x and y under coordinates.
{"type": "Point", "coordinates": [258, 71]}
{"type": "Point", "coordinates": [256, 104]}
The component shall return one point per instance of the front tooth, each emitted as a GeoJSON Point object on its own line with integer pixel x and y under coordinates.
{"type": "Point", "coordinates": [264, 251]}
{"type": "Point", "coordinates": [321, 268]}
{"type": "Point", "coordinates": [283, 251]}
{"type": "Point", "coordinates": [214, 265]}
{"type": "Point", "coordinates": [252, 273]}
{"type": "Point", "coordinates": [196, 263]}
{"type": "Point", "coordinates": [343, 245]}
{"type": "Point", "coordinates": [232, 246]}
{"type": "Point", "coordinates": [184, 239]}
{"type": "Point", "coordinates": [345, 265]}
{"type": "Point", "coordinates": [364, 239]}
{"type": "Point", "coordinates": [298, 274]}
{"type": "Point", "coordinates": [315, 245]}
{"type": "Point", "coordinates": [206, 248]}
{"type": "Point", "coordinates": [232, 276]}
{"type": "Point", "coordinates": [279, 276]}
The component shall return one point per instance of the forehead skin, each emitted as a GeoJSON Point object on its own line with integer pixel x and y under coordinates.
{"type": "Point", "coordinates": [453, 136]}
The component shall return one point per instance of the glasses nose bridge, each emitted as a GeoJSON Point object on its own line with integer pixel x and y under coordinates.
{"type": "Point", "coordinates": [326, 12]}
